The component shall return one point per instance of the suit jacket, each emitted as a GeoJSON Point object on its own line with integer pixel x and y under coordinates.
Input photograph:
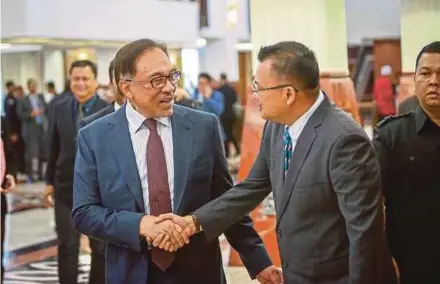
{"type": "Point", "coordinates": [12, 118]}
{"type": "Point", "coordinates": [11, 162]}
{"type": "Point", "coordinates": [103, 112]}
{"type": "Point", "coordinates": [29, 126]}
{"type": "Point", "coordinates": [409, 104]}
{"type": "Point", "coordinates": [329, 208]}
{"type": "Point", "coordinates": [108, 201]}
{"type": "Point", "coordinates": [61, 141]}
{"type": "Point", "coordinates": [230, 98]}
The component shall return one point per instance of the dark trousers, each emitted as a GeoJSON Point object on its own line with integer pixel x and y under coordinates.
{"type": "Point", "coordinates": [34, 144]}
{"type": "Point", "coordinates": [157, 276]}
{"type": "Point", "coordinates": [4, 205]}
{"type": "Point", "coordinates": [19, 149]}
{"type": "Point", "coordinates": [417, 269]}
{"type": "Point", "coordinates": [228, 127]}
{"type": "Point", "coordinates": [68, 249]}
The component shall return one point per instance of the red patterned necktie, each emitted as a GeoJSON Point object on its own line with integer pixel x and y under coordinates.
{"type": "Point", "coordinates": [158, 187]}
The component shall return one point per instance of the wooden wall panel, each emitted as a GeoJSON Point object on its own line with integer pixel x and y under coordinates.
{"type": "Point", "coordinates": [387, 52]}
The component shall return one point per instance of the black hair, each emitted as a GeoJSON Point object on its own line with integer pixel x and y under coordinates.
{"type": "Point", "coordinates": [84, 63]}
{"type": "Point", "coordinates": [433, 47]}
{"type": "Point", "coordinates": [293, 60]}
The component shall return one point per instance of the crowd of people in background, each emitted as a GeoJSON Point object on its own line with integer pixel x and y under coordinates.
{"type": "Point", "coordinates": [26, 113]}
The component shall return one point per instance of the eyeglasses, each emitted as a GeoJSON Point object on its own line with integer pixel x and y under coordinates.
{"type": "Point", "coordinates": [255, 89]}
{"type": "Point", "coordinates": [160, 81]}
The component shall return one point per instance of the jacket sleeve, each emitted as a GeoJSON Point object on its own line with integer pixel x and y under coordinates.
{"type": "Point", "coordinates": [52, 144]}
{"type": "Point", "coordinates": [116, 227]}
{"type": "Point", "coordinates": [215, 104]}
{"type": "Point", "coordinates": [219, 214]}
{"type": "Point", "coordinates": [241, 235]}
{"type": "Point", "coordinates": [355, 177]}
{"type": "Point", "coordinates": [23, 112]}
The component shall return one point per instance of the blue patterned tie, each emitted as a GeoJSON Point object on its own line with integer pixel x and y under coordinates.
{"type": "Point", "coordinates": [287, 150]}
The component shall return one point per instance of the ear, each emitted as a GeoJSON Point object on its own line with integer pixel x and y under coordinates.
{"type": "Point", "coordinates": [124, 87]}
{"type": "Point", "coordinates": [289, 95]}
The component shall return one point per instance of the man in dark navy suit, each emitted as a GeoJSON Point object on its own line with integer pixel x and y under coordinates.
{"type": "Point", "coordinates": [162, 158]}
{"type": "Point", "coordinates": [64, 117]}
{"type": "Point", "coordinates": [119, 99]}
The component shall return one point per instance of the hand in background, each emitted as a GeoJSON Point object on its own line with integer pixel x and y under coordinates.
{"type": "Point", "coordinates": [48, 196]}
{"type": "Point", "coordinates": [208, 92]}
{"type": "Point", "coordinates": [270, 275]}
{"type": "Point", "coordinates": [167, 235]}
{"type": "Point", "coordinates": [9, 184]}
{"type": "Point", "coordinates": [13, 137]}
{"type": "Point", "coordinates": [186, 223]}
{"type": "Point", "coordinates": [36, 112]}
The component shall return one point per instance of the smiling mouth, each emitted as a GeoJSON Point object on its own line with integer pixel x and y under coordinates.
{"type": "Point", "coordinates": [434, 93]}
{"type": "Point", "coordinates": [166, 101]}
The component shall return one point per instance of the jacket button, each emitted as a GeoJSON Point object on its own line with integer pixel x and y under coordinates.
{"type": "Point", "coordinates": [284, 264]}
{"type": "Point", "coordinates": [279, 234]}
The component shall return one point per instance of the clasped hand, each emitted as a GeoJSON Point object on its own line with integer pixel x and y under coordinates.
{"type": "Point", "coordinates": [168, 231]}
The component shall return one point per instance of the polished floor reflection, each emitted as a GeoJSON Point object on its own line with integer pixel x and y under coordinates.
{"type": "Point", "coordinates": [30, 254]}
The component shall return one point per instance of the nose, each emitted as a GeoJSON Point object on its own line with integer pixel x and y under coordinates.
{"type": "Point", "coordinates": [435, 79]}
{"type": "Point", "coordinates": [169, 87]}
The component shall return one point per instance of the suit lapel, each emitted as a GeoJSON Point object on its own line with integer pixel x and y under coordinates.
{"type": "Point", "coordinates": [182, 152]}
{"type": "Point", "coordinates": [279, 166]}
{"type": "Point", "coordinates": [123, 152]}
{"type": "Point", "coordinates": [299, 155]}
{"type": "Point", "coordinates": [99, 104]}
{"type": "Point", "coordinates": [70, 116]}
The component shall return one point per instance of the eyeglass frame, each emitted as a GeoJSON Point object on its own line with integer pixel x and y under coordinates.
{"type": "Point", "coordinates": [255, 90]}
{"type": "Point", "coordinates": [142, 83]}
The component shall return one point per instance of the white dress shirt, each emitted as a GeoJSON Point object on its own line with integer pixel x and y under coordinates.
{"type": "Point", "coordinates": [116, 106]}
{"type": "Point", "coordinates": [298, 126]}
{"type": "Point", "coordinates": [139, 136]}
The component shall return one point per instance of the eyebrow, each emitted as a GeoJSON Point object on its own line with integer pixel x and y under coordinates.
{"type": "Point", "coordinates": [160, 73]}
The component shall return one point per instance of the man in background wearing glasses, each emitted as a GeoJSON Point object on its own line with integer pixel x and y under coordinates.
{"type": "Point", "coordinates": [162, 158]}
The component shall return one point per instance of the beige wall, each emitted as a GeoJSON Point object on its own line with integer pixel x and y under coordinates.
{"type": "Point", "coordinates": [319, 24]}
{"type": "Point", "coordinates": [420, 25]}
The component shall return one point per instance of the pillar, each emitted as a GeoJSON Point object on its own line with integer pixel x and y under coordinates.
{"type": "Point", "coordinates": [20, 67]}
{"type": "Point", "coordinates": [420, 25]}
{"type": "Point", "coordinates": [219, 56]}
{"type": "Point", "coordinates": [103, 58]}
{"type": "Point", "coordinates": [53, 66]}
{"type": "Point", "coordinates": [320, 25]}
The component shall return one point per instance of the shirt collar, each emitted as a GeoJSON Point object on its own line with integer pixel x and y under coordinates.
{"type": "Point", "coordinates": [296, 128]}
{"type": "Point", "coordinates": [136, 120]}
{"type": "Point", "coordinates": [421, 119]}
{"type": "Point", "coordinates": [116, 106]}
{"type": "Point", "coordinates": [90, 103]}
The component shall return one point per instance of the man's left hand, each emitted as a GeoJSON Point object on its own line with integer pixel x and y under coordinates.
{"type": "Point", "coordinates": [10, 184]}
{"type": "Point", "coordinates": [270, 275]}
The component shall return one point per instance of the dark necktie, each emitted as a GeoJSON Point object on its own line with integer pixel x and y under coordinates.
{"type": "Point", "coordinates": [287, 150]}
{"type": "Point", "coordinates": [80, 114]}
{"type": "Point", "coordinates": [158, 187]}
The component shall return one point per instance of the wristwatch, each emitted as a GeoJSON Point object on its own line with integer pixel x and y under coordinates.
{"type": "Point", "coordinates": [196, 223]}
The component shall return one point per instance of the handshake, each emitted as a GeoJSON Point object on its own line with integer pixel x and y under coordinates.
{"type": "Point", "coordinates": [171, 232]}
{"type": "Point", "coordinates": [168, 231]}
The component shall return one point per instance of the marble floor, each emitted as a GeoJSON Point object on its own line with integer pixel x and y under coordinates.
{"type": "Point", "coordinates": [30, 254]}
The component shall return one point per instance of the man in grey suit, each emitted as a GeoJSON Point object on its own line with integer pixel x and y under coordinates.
{"type": "Point", "coordinates": [324, 174]}
{"type": "Point", "coordinates": [32, 113]}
